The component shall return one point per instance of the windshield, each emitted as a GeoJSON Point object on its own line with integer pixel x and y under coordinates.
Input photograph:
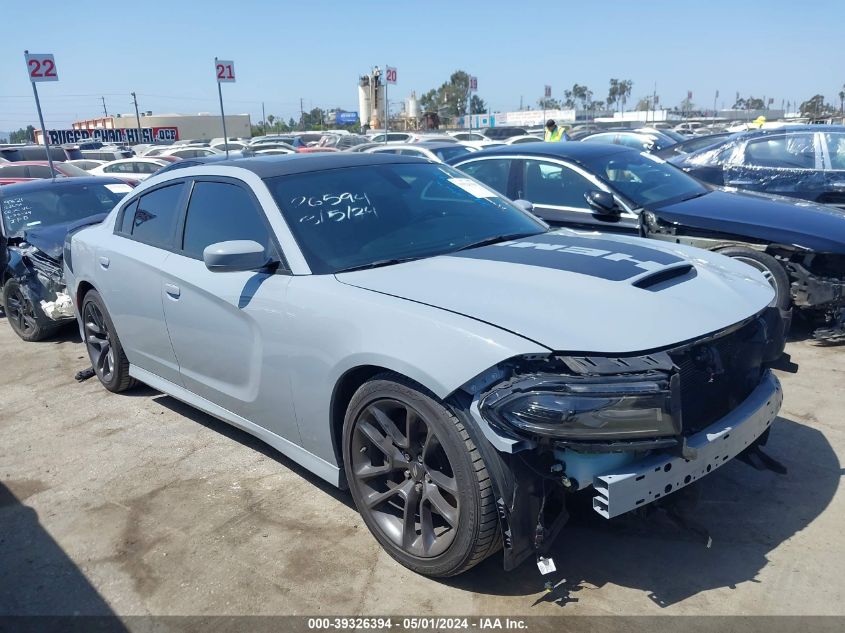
{"type": "Point", "coordinates": [360, 216]}
{"type": "Point", "coordinates": [644, 179]}
{"type": "Point", "coordinates": [57, 204]}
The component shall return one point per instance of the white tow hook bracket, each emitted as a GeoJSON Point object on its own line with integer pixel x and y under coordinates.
{"type": "Point", "coordinates": [546, 565]}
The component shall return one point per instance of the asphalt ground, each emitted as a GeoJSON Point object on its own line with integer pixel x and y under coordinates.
{"type": "Point", "coordinates": [136, 504]}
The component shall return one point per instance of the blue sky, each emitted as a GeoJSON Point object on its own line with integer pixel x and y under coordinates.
{"type": "Point", "coordinates": [316, 49]}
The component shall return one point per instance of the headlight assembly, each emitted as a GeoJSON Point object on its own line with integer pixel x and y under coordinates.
{"type": "Point", "coordinates": [587, 408]}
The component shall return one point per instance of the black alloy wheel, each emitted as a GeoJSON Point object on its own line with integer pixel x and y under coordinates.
{"type": "Point", "coordinates": [20, 312]}
{"type": "Point", "coordinates": [417, 478]}
{"type": "Point", "coordinates": [103, 345]}
{"type": "Point", "coordinates": [406, 478]}
{"type": "Point", "coordinates": [99, 342]}
{"type": "Point", "coordinates": [24, 315]}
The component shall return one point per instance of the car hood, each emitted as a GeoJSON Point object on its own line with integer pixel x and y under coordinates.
{"type": "Point", "coordinates": [767, 218]}
{"type": "Point", "coordinates": [50, 239]}
{"type": "Point", "coordinates": [582, 292]}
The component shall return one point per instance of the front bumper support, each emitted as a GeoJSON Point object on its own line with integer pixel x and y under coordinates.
{"type": "Point", "coordinates": [659, 474]}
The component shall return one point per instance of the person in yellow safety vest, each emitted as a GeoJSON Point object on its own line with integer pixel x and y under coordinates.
{"type": "Point", "coordinates": [759, 122]}
{"type": "Point", "coordinates": [554, 133]}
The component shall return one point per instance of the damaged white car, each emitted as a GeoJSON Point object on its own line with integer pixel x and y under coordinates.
{"type": "Point", "coordinates": [35, 217]}
{"type": "Point", "coordinates": [401, 329]}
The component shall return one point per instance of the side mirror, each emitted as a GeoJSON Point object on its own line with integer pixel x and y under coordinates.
{"type": "Point", "coordinates": [602, 203]}
{"type": "Point", "coordinates": [235, 256]}
{"type": "Point", "coordinates": [525, 205]}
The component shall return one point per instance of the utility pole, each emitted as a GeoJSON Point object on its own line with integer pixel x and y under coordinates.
{"type": "Point", "coordinates": [301, 111]}
{"type": "Point", "coordinates": [137, 116]}
{"type": "Point", "coordinates": [105, 112]}
{"type": "Point", "coordinates": [263, 119]}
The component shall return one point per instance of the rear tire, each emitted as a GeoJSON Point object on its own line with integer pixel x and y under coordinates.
{"type": "Point", "coordinates": [104, 348]}
{"type": "Point", "coordinates": [771, 269]}
{"type": "Point", "coordinates": [417, 478]}
{"type": "Point", "coordinates": [24, 313]}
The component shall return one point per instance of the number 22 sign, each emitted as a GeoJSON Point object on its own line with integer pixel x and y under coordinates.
{"type": "Point", "coordinates": [225, 70]}
{"type": "Point", "coordinates": [41, 67]}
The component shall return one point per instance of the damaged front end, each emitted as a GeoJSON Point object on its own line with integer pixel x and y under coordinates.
{"type": "Point", "coordinates": [39, 282]}
{"type": "Point", "coordinates": [634, 428]}
{"type": "Point", "coordinates": [818, 288]}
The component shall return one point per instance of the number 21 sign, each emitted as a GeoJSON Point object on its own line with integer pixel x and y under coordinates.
{"type": "Point", "coordinates": [225, 70]}
{"type": "Point", "coordinates": [41, 67]}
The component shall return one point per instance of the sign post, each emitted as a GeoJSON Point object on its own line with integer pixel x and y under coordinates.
{"type": "Point", "coordinates": [389, 78]}
{"type": "Point", "coordinates": [473, 87]}
{"type": "Point", "coordinates": [225, 71]}
{"type": "Point", "coordinates": [41, 68]}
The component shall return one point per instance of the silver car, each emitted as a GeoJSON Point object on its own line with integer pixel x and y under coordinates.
{"type": "Point", "coordinates": [399, 328]}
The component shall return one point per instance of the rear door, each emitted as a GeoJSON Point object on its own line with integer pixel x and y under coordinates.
{"type": "Point", "coordinates": [788, 164]}
{"type": "Point", "coordinates": [834, 153]}
{"type": "Point", "coordinates": [228, 328]}
{"type": "Point", "coordinates": [130, 276]}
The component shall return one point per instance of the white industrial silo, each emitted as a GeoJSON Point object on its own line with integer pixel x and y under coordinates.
{"type": "Point", "coordinates": [413, 108]}
{"type": "Point", "coordinates": [364, 105]}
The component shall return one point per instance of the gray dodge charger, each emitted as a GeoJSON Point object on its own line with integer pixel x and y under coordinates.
{"type": "Point", "coordinates": [401, 330]}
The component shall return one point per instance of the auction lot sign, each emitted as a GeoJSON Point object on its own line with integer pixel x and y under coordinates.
{"type": "Point", "coordinates": [121, 135]}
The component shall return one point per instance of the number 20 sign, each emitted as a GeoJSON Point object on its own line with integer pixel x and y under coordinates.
{"type": "Point", "coordinates": [225, 70]}
{"type": "Point", "coordinates": [41, 67]}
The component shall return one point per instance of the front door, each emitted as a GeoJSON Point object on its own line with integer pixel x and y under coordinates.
{"type": "Point", "coordinates": [228, 328]}
{"type": "Point", "coordinates": [559, 195]}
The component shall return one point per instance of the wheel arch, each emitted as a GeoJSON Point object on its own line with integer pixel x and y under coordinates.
{"type": "Point", "coordinates": [345, 387]}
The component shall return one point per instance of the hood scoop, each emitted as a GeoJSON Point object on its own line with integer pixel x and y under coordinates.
{"type": "Point", "coordinates": [665, 277]}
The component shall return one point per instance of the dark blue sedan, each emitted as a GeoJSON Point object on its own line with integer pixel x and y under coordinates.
{"type": "Point", "coordinates": [798, 246]}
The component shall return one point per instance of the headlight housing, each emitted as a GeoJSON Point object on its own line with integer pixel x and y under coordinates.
{"type": "Point", "coordinates": [586, 407]}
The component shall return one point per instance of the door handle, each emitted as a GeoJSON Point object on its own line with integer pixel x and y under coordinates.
{"type": "Point", "coordinates": [104, 262]}
{"type": "Point", "coordinates": [740, 183]}
{"type": "Point", "coordinates": [172, 290]}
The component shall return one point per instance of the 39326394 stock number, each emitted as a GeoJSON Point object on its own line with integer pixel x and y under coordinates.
{"type": "Point", "coordinates": [377, 624]}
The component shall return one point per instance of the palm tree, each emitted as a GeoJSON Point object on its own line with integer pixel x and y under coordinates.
{"type": "Point", "coordinates": [842, 100]}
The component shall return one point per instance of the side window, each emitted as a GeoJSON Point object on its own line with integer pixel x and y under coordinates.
{"type": "Point", "coordinates": [39, 171]}
{"type": "Point", "coordinates": [553, 184]}
{"type": "Point", "coordinates": [114, 169]}
{"type": "Point", "coordinates": [128, 218]}
{"type": "Point", "coordinates": [14, 171]}
{"type": "Point", "coordinates": [493, 173]}
{"type": "Point", "coordinates": [154, 220]}
{"type": "Point", "coordinates": [219, 212]}
{"type": "Point", "coordinates": [146, 168]}
{"type": "Point", "coordinates": [790, 150]}
{"type": "Point", "coordinates": [836, 150]}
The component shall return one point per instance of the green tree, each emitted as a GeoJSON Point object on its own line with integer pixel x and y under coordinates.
{"type": "Point", "coordinates": [450, 99]}
{"type": "Point", "coordinates": [477, 105]}
{"type": "Point", "coordinates": [548, 104]}
{"type": "Point", "coordinates": [842, 101]}
{"type": "Point", "coordinates": [23, 135]}
{"type": "Point", "coordinates": [816, 107]}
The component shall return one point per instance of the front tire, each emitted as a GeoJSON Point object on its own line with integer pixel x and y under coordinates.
{"type": "Point", "coordinates": [24, 313]}
{"type": "Point", "coordinates": [418, 479]}
{"type": "Point", "coordinates": [104, 348]}
{"type": "Point", "coordinates": [771, 269]}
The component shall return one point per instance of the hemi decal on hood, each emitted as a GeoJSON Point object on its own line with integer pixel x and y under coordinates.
{"type": "Point", "coordinates": [597, 257]}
